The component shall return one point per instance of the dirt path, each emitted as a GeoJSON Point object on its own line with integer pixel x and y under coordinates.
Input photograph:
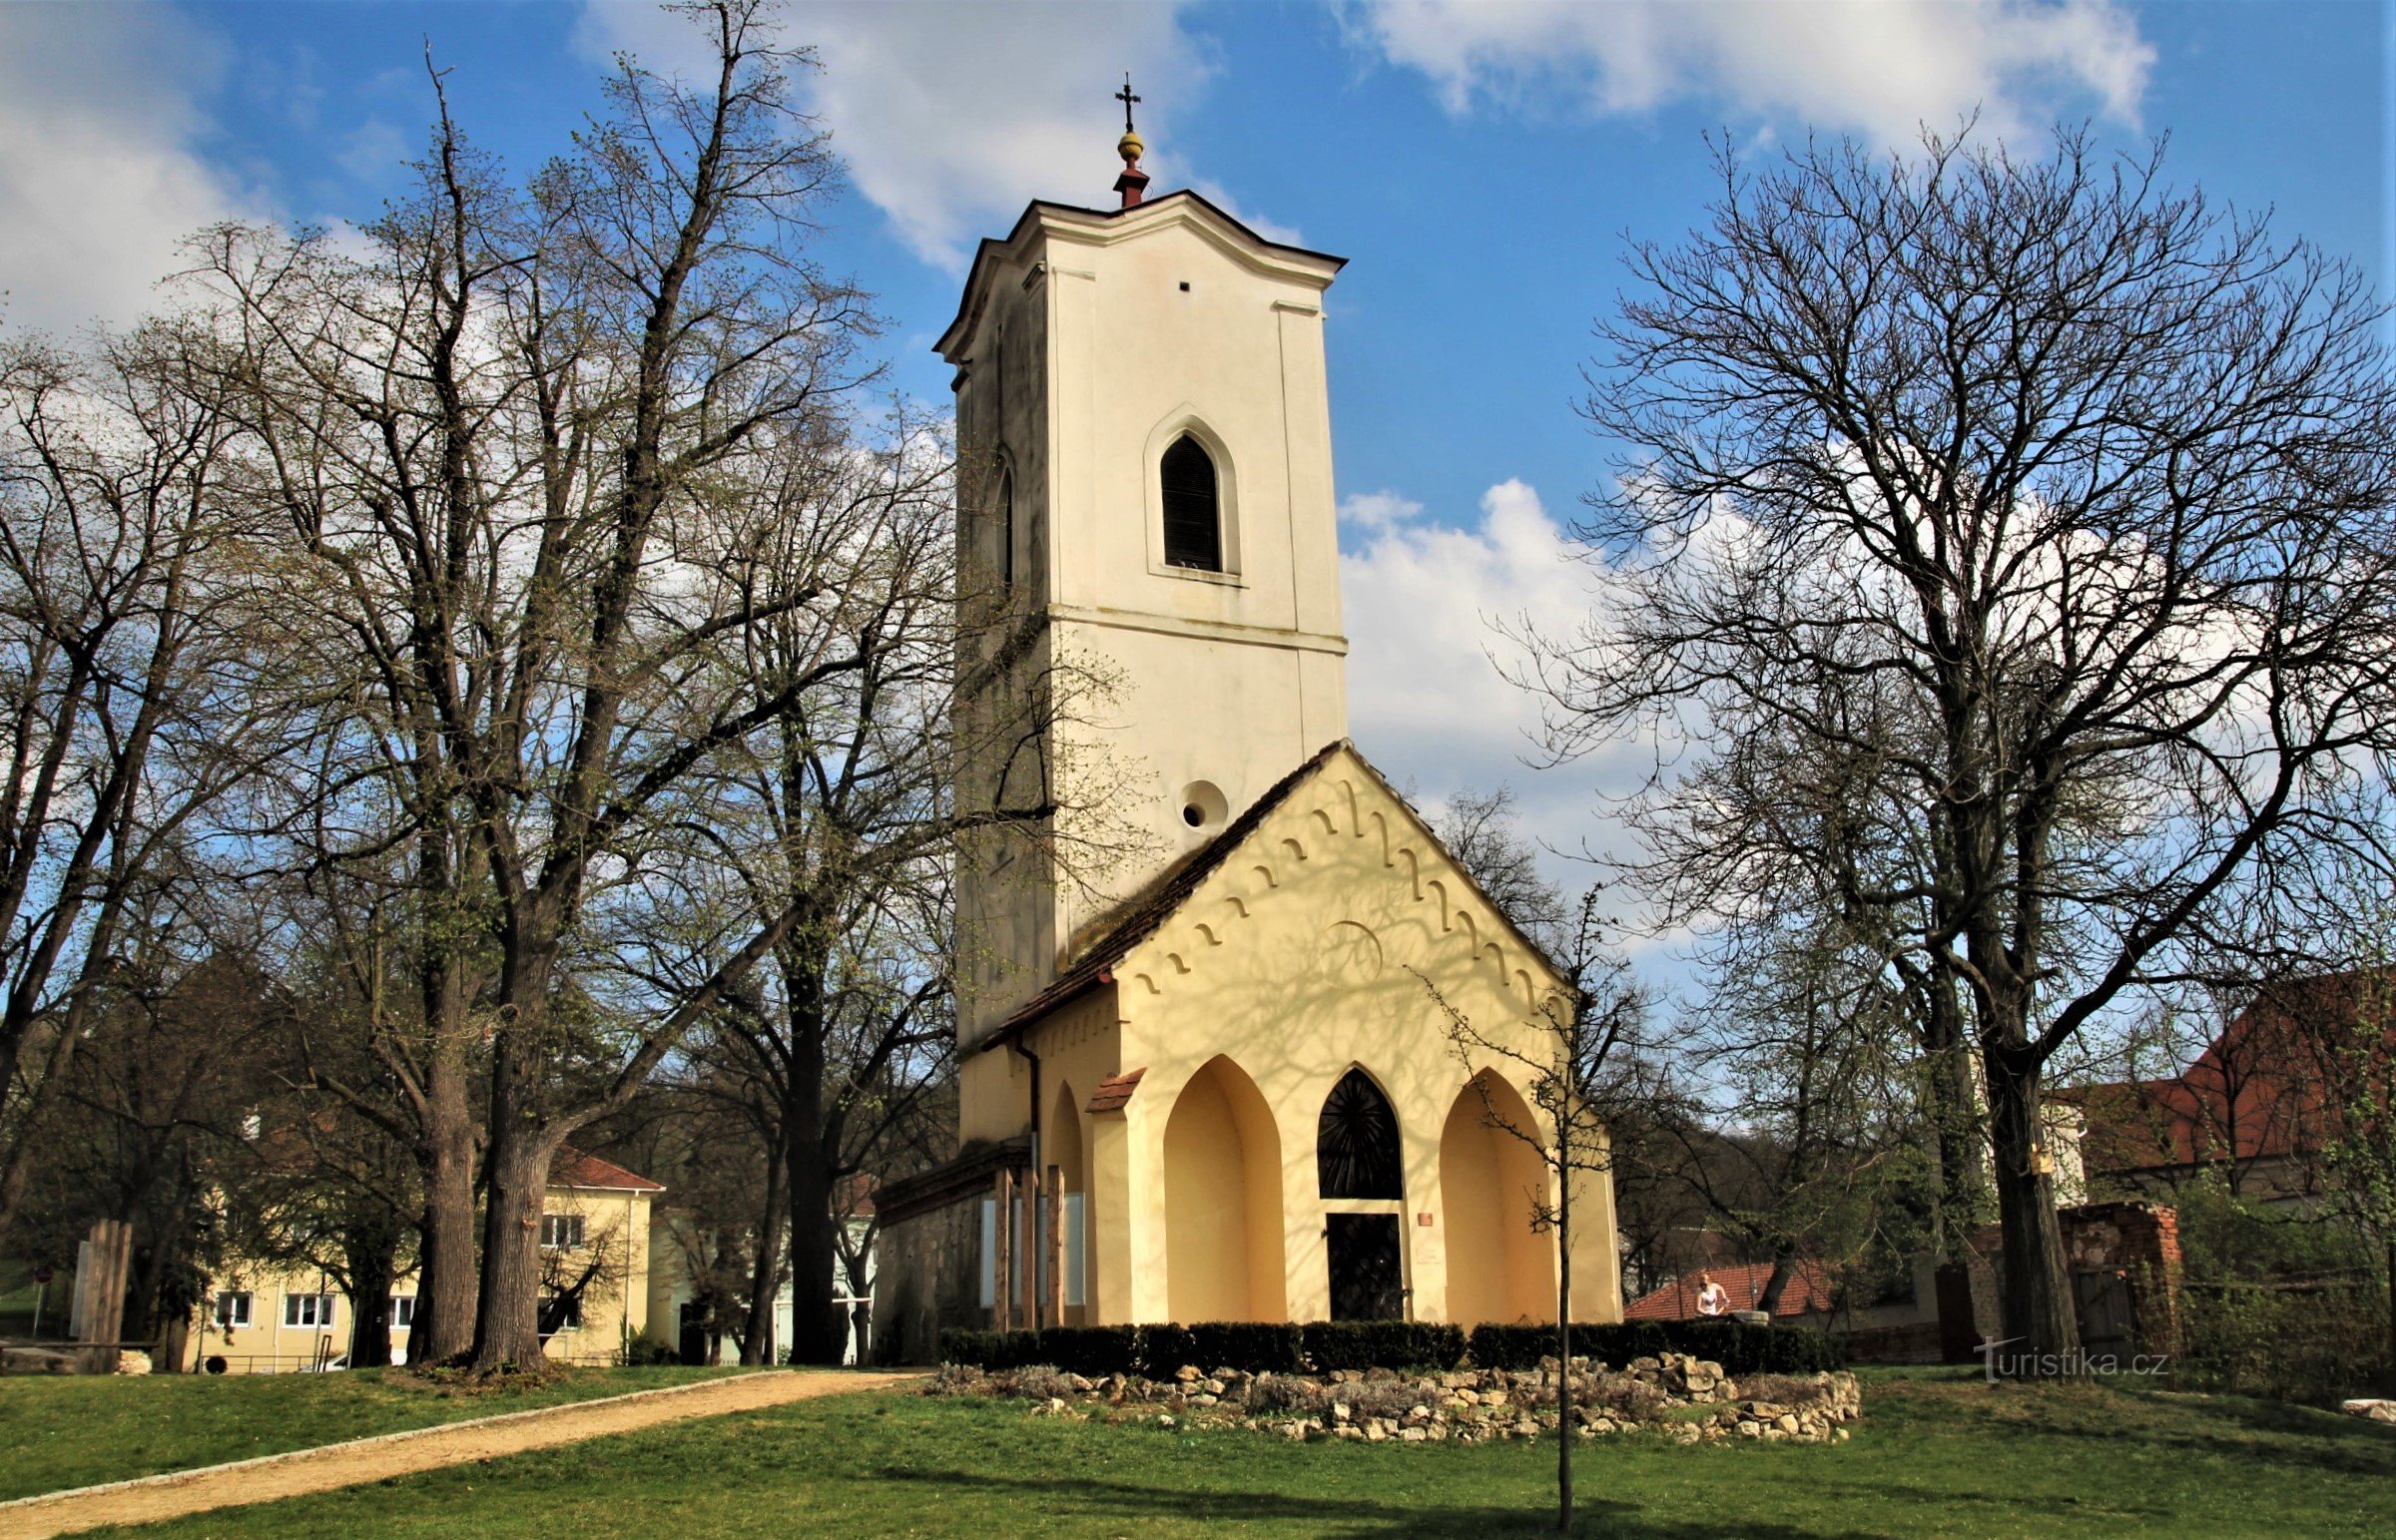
{"type": "Point", "coordinates": [147, 1499]}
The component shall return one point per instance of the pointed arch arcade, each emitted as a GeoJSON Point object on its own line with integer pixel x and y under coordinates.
{"type": "Point", "coordinates": [1223, 1216]}
{"type": "Point", "coordinates": [1492, 1187]}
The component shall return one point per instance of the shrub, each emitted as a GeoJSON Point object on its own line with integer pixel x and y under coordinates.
{"type": "Point", "coordinates": [1744, 1349]}
{"type": "Point", "coordinates": [1095, 1351]}
{"type": "Point", "coordinates": [992, 1351]}
{"type": "Point", "coordinates": [1251, 1347]}
{"type": "Point", "coordinates": [646, 1350]}
{"type": "Point", "coordinates": [1740, 1349]}
{"type": "Point", "coordinates": [1165, 1348]}
{"type": "Point", "coordinates": [1391, 1345]}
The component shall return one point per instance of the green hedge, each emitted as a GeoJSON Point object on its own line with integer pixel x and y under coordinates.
{"type": "Point", "coordinates": [1251, 1347]}
{"type": "Point", "coordinates": [1740, 1349]}
{"type": "Point", "coordinates": [1394, 1345]}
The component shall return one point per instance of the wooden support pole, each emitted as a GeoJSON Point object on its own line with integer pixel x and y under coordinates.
{"type": "Point", "coordinates": [1029, 1239]}
{"type": "Point", "coordinates": [1002, 1221]}
{"type": "Point", "coordinates": [1054, 1190]}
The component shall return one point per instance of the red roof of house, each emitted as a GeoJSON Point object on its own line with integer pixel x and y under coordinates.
{"type": "Point", "coordinates": [573, 1168]}
{"type": "Point", "coordinates": [2263, 1088]}
{"type": "Point", "coordinates": [1808, 1292]}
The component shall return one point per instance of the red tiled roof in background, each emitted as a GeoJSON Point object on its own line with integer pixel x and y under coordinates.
{"type": "Point", "coordinates": [1808, 1292]}
{"type": "Point", "coordinates": [573, 1168]}
{"type": "Point", "coordinates": [2262, 1089]}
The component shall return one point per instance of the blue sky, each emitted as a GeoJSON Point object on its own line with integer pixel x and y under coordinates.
{"type": "Point", "coordinates": [1480, 163]}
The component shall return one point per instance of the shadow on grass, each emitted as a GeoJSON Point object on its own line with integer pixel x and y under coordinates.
{"type": "Point", "coordinates": [1335, 1516]}
{"type": "Point", "coordinates": [2304, 1435]}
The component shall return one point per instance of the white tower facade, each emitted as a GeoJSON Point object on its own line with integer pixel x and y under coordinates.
{"type": "Point", "coordinates": [1145, 433]}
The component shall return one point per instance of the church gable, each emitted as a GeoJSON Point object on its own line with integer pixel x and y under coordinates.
{"type": "Point", "coordinates": [1334, 882]}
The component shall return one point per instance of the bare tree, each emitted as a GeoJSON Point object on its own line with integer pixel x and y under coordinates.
{"type": "Point", "coordinates": [1586, 1066]}
{"type": "Point", "coordinates": [1801, 1136]}
{"type": "Point", "coordinates": [125, 641]}
{"type": "Point", "coordinates": [2094, 481]}
{"type": "Point", "coordinates": [509, 441]}
{"type": "Point", "coordinates": [1483, 832]}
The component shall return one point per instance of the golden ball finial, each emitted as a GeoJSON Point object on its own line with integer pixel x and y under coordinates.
{"type": "Point", "coordinates": [1130, 148]}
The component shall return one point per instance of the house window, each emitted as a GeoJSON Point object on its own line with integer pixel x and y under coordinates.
{"type": "Point", "coordinates": [403, 1311]}
{"type": "Point", "coordinates": [233, 1310]}
{"type": "Point", "coordinates": [561, 1231]}
{"type": "Point", "coordinates": [1193, 513]}
{"type": "Point", "coordinates": [307, 1310]}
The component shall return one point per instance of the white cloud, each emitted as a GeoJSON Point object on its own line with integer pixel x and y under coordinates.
{"type": "Point", "coordinates": [1377, 512]}
{"type": "Point", "coordinates": [1428, 609]}
{"type": "Point", "coordinates": [1881, 67]}
{"type": "Point", "coordinates": [953, 116]}
{"type": "Point", "coordinates": [99, 177]}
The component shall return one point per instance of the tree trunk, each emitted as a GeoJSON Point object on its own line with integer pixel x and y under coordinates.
{"type": "Point", "coordinates": [1784, 1268]}
{"type": "Point", "coordinates": [1564, 1336]}
{"type": "Point", "coordinates": [765, 1270]}
{"type": "Point", "coordinates": [506, 1318]}
{"type": "Point", "coordinates": [815, 1336]}
{"type": "Point", "coordinates": [372, 1257]}
{"type": "Point", "coordinates": [2041, 1330]}
{"type": "Point", "coordinates": [443, 1331]}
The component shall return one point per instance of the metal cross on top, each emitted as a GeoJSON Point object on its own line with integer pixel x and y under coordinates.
{"type": "Point", "coordinates": [1126, 98]}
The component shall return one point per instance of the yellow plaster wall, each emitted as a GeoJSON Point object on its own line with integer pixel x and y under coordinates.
{"type": "Point", "coordinates": [1305, 954]}
{"type": "Point", "coordinates": [613, 1311]}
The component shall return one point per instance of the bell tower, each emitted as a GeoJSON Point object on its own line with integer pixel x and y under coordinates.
{"type": "Point", "coordinates": [1147, 541]}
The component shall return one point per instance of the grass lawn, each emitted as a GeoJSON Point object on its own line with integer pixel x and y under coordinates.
{"type": "Point", "coordinates": [63, 1431]}
{"type": "Point", "coordinates": [1938, 1454]}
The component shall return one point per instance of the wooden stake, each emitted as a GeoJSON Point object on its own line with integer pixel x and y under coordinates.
{"type": "Point", "coordinates": [1056, 1246]}
{"type": "Point", "coordinates": [1003, 1222]}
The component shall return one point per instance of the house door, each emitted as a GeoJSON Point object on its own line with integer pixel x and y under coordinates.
{"type": "Point", "coordinates": [2108, 1324]}
{"type": "Point", "coordinates": [1368, 1281]}
{"type": "Point", "coordinates": [694, 1333]}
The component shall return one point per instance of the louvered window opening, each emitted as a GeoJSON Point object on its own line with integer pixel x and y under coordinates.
{"type": "Point", "coordinates": [1193, 511]}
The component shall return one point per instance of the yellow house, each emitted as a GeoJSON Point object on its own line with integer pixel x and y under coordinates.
{"type": "Point", "coordinates": [1207, 1078]}
{"type": "Point", "coordinates": [276, 1318]}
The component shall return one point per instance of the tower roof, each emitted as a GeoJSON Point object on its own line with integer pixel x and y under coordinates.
{"type": "Point", "coordinates": [1104, 226]}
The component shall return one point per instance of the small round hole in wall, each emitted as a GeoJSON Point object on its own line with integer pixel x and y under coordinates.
{"type": "Point", "coordinates": [1202, 806]}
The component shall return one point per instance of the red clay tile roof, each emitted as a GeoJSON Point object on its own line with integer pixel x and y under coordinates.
{"type": "Point", "coordinates": [1114, 1092]}
{"type": "Point", "coordinates": [1808, 1291]}
{"type": "Point", "coordinates": [573, 1168]}
{"type": "Point", "coordinates": [2263, 1088]}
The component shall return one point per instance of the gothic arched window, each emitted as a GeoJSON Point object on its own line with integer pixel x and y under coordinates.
{"type": "Point", "coordinates": [1356, 1142]}
{"type": "Point", "coordinates": [1193, 512]}
{"type": "Point", "coordinates": [1006, 527]}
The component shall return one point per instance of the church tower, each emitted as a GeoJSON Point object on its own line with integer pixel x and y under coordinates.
{"type": "Point", "coordinates": [1147, 540]}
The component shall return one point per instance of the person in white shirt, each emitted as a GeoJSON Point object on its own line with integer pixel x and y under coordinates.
{"type": "Point", "coordinates": [1712, 1297]}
